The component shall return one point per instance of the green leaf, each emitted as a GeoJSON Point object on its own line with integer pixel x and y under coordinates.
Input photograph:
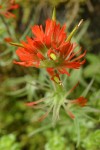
{"type": "Point", "coordinates": [92, 70]}
{"type": "Point", "coordinates": [94, 59]}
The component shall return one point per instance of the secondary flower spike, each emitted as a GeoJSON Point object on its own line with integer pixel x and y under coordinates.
{"type": "Point", "coordinates": [50, 49]}
{"type": "Point", "coordinates": [6, 8]}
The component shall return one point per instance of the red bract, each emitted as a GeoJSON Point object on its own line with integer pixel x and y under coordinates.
{"type": "Point", "coordinates": [50, 49]}
{"type": "Point", "coordinates": [81, 101]}
{"type": "Point", "coordinates": [8, 39]}
{"type": "Point", "coordinates": [7, 7]}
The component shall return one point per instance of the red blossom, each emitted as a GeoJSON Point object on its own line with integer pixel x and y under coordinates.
{"type": "Point", "coordinates": [49, 49]}
{"type": "Point", "coordinates": [7, 7]}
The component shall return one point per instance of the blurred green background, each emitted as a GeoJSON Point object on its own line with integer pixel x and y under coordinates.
{"type": "Point", "coordinates": [19, 129]}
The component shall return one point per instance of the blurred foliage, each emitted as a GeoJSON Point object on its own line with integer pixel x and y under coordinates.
{"type": "Point", "coordinates": [8, 142]}
{"type": "Point", "coordinates": [19, 129]}
{"type": "Point", "coordinates": [92, 142]}
{"type": "Point", "coordinates": [53, 143]}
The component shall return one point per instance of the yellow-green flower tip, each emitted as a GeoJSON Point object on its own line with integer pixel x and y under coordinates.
{"type": "Point", "coordinates": [56, 79]}
{"type": "Point", "coordinates": [16, 44]}
{"type": "Point", "coordinates": [53, 56]}
{"type": "Point", "coordinates": [54, 14]}
{"type": "Point", "coordinates": [73, 31]}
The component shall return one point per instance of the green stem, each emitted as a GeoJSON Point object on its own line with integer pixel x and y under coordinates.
{"type": "Point", "coordinates": [57, 101]}
{"type": "Point", "coordinates": [58, 87]}
{"type": "Point", "coordinates": [6, 25]}
{"type": "Point", "coordinates": [10, 33]}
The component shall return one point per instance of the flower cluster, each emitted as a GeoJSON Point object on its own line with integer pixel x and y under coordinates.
{"type": "Point", "coordinates": [6, 8]}
{"type": "Point", "coordinates": [52, 49]}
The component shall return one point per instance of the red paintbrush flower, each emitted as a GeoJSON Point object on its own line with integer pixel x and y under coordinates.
{"type": "Point", "coordinates": [7, 7]}
{"type": "Point", "coordinates": [50, 49]}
